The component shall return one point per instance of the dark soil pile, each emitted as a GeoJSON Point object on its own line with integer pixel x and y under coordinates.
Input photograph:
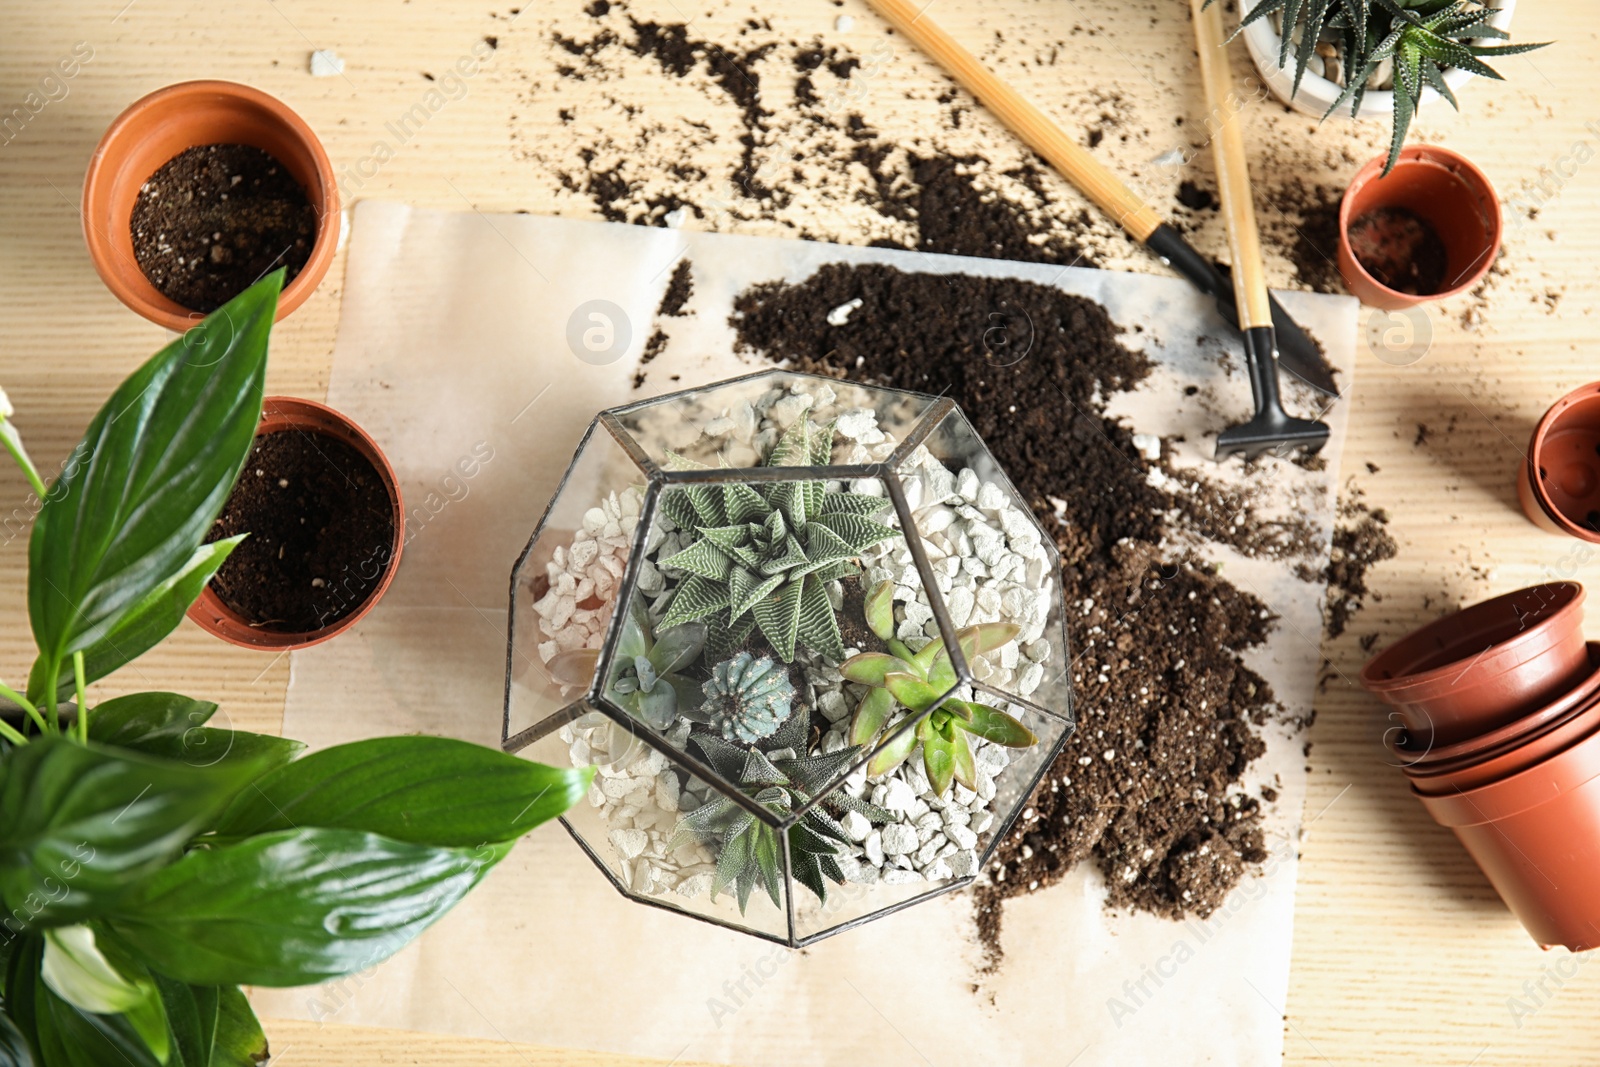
{"type": "Point", "coordinates": [321, 533]}
{"type": "Point", "coordinates": [1400, 250]}
{"type": "Point", "coordinates": [952, 215]}
{"type": "Point", "coordinates": [216, 218]}
{"type": "Point", "coordinates": [1167, 709]}
{"type": "Point", "coordinates": [1360, 540]}
{"type": "Point", "coordinates": [950, 202]}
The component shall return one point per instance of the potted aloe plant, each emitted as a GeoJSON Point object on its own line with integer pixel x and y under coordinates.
{"type": "Point", "coordinates": [1374, 56]}
{"type": "Point", "coordinates": [150, 864]}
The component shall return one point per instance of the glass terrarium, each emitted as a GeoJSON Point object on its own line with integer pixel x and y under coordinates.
{"type": "Point", "coordinates": [810, 637]}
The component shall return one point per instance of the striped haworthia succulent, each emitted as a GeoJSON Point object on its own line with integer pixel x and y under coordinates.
{"type": "Point", "coordinates": [765, 551]}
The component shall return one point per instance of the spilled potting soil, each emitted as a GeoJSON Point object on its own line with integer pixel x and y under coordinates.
{"type": "Point", "coordinates": [1169, 715]}
{"type": "Point", "coordinates": [214, 219]}
{"type": "Point", "coordinates": [321, 530]}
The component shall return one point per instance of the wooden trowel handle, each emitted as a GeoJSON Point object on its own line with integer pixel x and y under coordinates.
{"type": "Point", "coordinates": [1233, 175]}
{"type": "Point", "coordinates": [1096, 181]}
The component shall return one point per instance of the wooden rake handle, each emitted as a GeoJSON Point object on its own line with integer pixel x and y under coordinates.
{"type": "Point", "coordinates": [1233, 173]}
{"type": "Point", "coordinates": [1095, 180]}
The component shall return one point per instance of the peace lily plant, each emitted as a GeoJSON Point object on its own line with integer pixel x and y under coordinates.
{"type": "Point", "coordinates": [151, 864]}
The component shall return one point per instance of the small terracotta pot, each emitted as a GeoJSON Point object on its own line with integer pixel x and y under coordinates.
{"type": "Point", "coordinates": [1447, 192]}
{"type": "Point", "coordinates": [286, 413]}
{"type": "Point", "coordinates": [169, 121]}
{"type": "Point", "coordinates": [1417, 761]}
{"type": "Point", "coordinates": [1559, 485]}
{"type": "Point", "coordinates": [1536, 836]}
{"type": "Point", "coordinates": [1484, 666]}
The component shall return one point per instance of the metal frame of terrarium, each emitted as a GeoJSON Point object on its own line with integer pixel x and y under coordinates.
{"type": "Point", "coordinates": [656, 480]}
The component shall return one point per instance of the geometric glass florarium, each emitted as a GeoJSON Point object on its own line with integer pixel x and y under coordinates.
{"type": "Point", "coordinates": [811, 638]}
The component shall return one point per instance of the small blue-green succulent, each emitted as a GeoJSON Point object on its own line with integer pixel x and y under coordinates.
{"type": "Point", "coordinates": [644, 678]}
{"type": "Point", "coordinates": [747, 698]}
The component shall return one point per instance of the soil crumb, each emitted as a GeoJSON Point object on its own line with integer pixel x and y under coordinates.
{"type": "Point", "coordinates": [680, 287]}
{"type": "Point", "coordinates": [1360, 541]}
{"type": "Point", "coordinates": [1148, 787]}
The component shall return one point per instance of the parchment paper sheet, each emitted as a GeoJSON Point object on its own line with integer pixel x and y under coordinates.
{"type": "Point", "coordinates": [452, 347]}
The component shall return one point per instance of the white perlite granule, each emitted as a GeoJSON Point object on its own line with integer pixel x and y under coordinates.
{"type": "Point", "coordinates": [588, 572]}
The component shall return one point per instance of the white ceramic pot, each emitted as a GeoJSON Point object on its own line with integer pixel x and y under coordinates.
{"type": "Point", "coordinates": [1317, 93]}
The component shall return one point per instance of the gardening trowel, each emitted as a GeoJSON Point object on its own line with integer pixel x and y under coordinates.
{"type": "Point", "coordinates": [1271, 429]}
{"type": "Point", "coordinates": [1299, 354]}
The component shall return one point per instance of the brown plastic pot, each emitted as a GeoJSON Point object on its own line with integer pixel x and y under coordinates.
{"type": "Point", "coordinates": [283, 414]}
{"type": "Point", "coordinates": [1415, 760]}
{"type": "Point", "coordinates": [1438, 780]}
{"type": "Point", "coordinates": [1536, 836]}
{"type": "Point", "coordinates": [1447, 192]}
{"type": "Point", "coordinates": [1484, 666]}
{"type": "Point", "coordinates": [1559, 485]}
{"type": "Point", "coordinates": [169, 121]}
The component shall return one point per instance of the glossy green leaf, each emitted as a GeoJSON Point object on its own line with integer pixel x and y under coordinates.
{"type": "Point", "coordinates": [149, 477]}
{"type": "Point", "coordinates": [79, 822]}
{"type": "Point", "coordinates": [421, 790]}
{"type": "Point", "coordinates": [870, 716]}
{"type": "Point", "coordinates": [996, 727]}
{"type": "Point", "coordinates": [192, 1017]}
{"type": "Point", "coordinates": [293, 907]}
{"type": "Point", "coordinates": [143, 626]}
{"type": "Point", "coordinates": [239, 1041]}
{"type": "Point", "coordinates": [173, 727]}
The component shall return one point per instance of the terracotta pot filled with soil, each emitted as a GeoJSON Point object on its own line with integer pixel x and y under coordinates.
{"type": "Point", "coordinates": [1429, 230]}
{"type": "Point", "coordinates": [1536, 836]}
{"type": "Point", "coordinates": [1559, 485]}
{"type": "Point", "coordinates": [1484, 666]}
{"type": "Point", "coordinates": [326, 525]}
{"type": "Point", "coordinates": [199, 189]}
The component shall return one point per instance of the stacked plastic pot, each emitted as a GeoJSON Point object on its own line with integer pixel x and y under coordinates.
{"type": "Point", "coordinates": [1500, 712]}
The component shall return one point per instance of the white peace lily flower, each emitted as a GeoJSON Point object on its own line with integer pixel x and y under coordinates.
{"type": "Point", "coordinates": [6, 410]}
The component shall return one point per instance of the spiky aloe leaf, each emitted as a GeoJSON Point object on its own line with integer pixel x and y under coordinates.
{"type": "Point", "coordinates": [852, 504]}
{"type": "Point", "coordinates": [743, 504]}
{"type": "Point", "coordinates": [675, 504]}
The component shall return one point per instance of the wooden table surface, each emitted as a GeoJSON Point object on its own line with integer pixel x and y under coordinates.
{"type": "Point", "coordinates": [1402, 951]}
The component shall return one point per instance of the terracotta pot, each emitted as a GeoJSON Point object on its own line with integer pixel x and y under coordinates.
{"type": "Point", "coordinates": [286, 413]}
{"type": "Point", "coordinates": [1447, 192]}
{"type": "Point", "coordinates": [1559, 485]}
{"type": "Point", "coordinates": [1484, 666]}
{"type": "Point", "coordinates": [169, 121]}
{"type": "Point", "coordinates": [1525, 752]}
{"type": "Point", "coordinates": [1536, 836]}
{"type": "Point", "coordinates": [1415, 760]}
